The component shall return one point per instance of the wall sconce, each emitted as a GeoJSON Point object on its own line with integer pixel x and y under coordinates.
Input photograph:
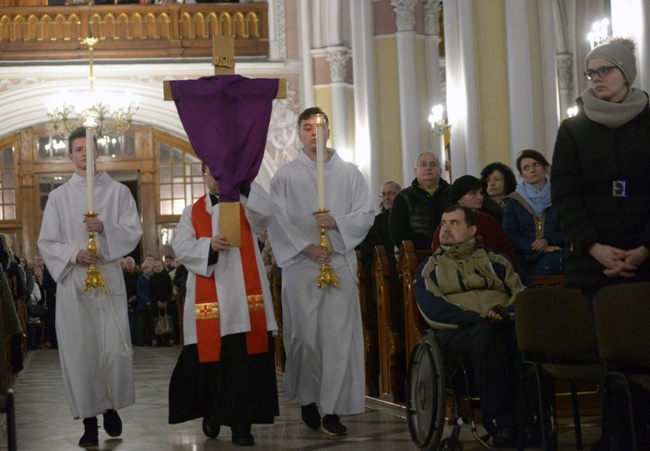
{"type": "Point", "coordinates": [573, 111]}
{"type": "Point", "coordinates": [439, 124]}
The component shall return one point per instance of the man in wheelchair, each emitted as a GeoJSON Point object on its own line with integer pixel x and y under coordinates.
{"type": "Point", "coordinates": [473, 288]}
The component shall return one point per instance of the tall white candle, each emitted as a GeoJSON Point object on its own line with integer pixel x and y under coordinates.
{"type": "Point", "coordinates": [90, 168]}
{"type": "Point", "coordinates": [320, 159]}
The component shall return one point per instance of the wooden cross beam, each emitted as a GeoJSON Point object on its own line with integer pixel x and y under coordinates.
{"type": "Point", "coordinates": [223, 60]}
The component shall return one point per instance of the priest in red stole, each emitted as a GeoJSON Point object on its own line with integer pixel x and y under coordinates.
{"type": "Point", "coordinates": [225, 373]}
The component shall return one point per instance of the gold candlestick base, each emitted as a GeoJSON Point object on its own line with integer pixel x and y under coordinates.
{"type": "Point", "coordinates": [94, 278]}
{"type": "Point", "coordinates": [326, 276]}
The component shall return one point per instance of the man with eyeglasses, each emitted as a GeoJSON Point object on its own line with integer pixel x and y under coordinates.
{"type": "Point", "coordinates": [418, 208]}
{"type": "Point", "coordinates": [379, 233]}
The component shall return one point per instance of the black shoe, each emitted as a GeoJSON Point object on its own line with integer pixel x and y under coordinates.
{"type": "Point", "coordinates": [112, 423]}
{"type": "Point", "coordinates": [310, 416]}
{"type": "Point", "coordinates": [91, 434]}
{"type": "Point", "coordinates": [505, 438]}
{"type": "Point", "coordinates": [332, 425]}
{"type": "Point", "coordinates": [211, 427]}
{"type": "Point", "coordinates": [241, 435]}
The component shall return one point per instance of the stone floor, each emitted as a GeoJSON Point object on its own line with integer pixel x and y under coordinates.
{"type": "Point", "coordinates": [44, 422]}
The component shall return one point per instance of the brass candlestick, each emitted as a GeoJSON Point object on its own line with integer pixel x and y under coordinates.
{"type": "Point", "coordinates": [94, 278]}
{"type": "Point", "coordinates": [326, 276]}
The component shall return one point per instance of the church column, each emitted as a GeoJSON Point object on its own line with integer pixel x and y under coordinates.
{"type": "Point", "coordinates": [549, 73]}
{"type": "Point", "coordinates": [462, 87]}
{"type": "Point", "coordinates": [532, 86]}
{"type": "Point", "coordinates": [337, 57]}
{"type": "Point", "coordinates": [307, 91]}
{"type": "Point", "coordinates": [519, 76]}
{"type": "Point", "coordinates": [432, 10]}
{"type": "Point", "coordinates": [565, 82]}
{"type": "Point", "coordinates": [365, 104]}
{"type": "Point", "coordinates": [408, 96]}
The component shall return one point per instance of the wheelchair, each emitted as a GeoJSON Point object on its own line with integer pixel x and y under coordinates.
{"type": "Point", "coordinates": [431, 377]}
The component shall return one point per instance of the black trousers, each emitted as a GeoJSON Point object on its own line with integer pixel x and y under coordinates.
{"type": "Point", "coordinates": [495, 363]}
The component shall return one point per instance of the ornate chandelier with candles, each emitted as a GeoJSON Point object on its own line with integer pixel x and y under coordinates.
{"type": "Point", "coordinates": [112, 117]}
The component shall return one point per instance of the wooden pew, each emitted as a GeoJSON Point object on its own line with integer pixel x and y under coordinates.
{"type": "Point", "coordinates": [369, 320]}
{"type": "Point", "coordinates": [390, 327]}
{"type": "Point", "coordinates": [549, 281]}
{"type": "Point", "coordinates": [415, 327]}
{"type": "Point", "coordinates": [276, 293]}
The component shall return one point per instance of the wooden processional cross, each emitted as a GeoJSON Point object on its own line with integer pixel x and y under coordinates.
{"type": "Point", "coordinates": [223, 60]}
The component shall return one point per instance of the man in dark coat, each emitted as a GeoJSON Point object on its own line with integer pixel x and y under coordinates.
{"type": "Point", "coordinates": [379, 233]}
{"type": "Point", "coordinates": [417, 209]}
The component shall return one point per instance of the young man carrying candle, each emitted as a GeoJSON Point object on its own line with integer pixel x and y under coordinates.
{"type": "Point", "coordinates": [92, 326]}
{"type": "Point", "coordinates": [322, 331]}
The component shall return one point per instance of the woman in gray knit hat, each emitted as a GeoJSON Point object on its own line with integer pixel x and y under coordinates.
{"type": "Point", "coordinates": [600, 188]}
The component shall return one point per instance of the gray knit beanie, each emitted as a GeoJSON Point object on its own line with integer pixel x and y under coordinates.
{"type": "Point", "coordinates": [620, 55]}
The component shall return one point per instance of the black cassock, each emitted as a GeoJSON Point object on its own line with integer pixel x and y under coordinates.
{"type": "Point", "coordinates": [240, 389]}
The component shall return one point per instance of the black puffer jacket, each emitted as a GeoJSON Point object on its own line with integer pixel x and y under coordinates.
{"type": "Point", "coordinates": [588, 159]}
{"type": "Point", "coordinates": [416, 214]}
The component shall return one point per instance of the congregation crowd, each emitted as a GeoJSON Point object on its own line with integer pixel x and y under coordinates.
{"type": "Point", "coordinates": [586, 216]}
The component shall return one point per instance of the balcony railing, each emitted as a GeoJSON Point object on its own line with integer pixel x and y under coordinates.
{"type": "Point", "coordinates": [131, 31]}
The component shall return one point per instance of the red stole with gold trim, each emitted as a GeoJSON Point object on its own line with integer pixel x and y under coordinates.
{"type": "Point", "coordinates": [207, 303]}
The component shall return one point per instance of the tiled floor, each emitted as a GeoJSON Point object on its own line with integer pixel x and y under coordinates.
{"type": "Point", "coordinates": [44, 422]}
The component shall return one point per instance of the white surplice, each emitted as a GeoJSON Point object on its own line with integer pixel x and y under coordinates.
{"type": "Point", "coordinates": [322, 328]}
{"type": "Point", "coordinates": [92, 327]}
{"type": "Point", "coordinates": [228, 272]}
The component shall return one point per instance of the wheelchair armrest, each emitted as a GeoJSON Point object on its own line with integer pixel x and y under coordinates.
{"type": "Point", "coordinates": [441, 326]}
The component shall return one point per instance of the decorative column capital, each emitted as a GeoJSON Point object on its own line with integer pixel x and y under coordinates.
{"type": "Point", "coordinates": [338, 58]}
{"type": "Point", "coordinates": [564, 63]}
{"type": "Point", "coordinates": [405, 10]}
{"type": "Point", "coordinates": [432, 10]}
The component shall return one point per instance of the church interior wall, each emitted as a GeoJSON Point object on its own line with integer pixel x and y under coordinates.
{"type": "Point", "coordinates": [323, 97]}
{"type": "Point", "coordinates": [291, 29]}
{"type": "Point", "coordinates": [424, 104]}
{"type": "Point", "coordinates": [388, 109]}
{"type": "Point", "coordinates": [493, 83]}
{"type": "Point", "coordinates": [350, 153]}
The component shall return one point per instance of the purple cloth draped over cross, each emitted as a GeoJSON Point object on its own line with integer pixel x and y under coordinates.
{"type": "Point", "coordinates": [226, 118]}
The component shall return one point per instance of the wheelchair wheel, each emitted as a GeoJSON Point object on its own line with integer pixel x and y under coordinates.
{"type": "Point", "coordinates": [426, 394]}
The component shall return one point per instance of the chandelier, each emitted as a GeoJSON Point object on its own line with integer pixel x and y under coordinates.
{"type": "Point", "coordinates": [599, 33]}
{"type": "Point", "coordinates": [112, 117]}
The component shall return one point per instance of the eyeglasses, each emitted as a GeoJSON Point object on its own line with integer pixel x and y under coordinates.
{"type": "Point", "coordinates": [602, 71]}
{"type": "Point", "coordinates": [388, 193]}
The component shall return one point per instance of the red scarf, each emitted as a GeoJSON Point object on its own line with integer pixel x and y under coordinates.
{"type": "Point", "coordinates": [206, 301]}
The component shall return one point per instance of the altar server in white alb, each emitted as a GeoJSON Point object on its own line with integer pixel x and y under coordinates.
{"type": "Point", "coordinates": [322, 328]}
{"type": "Point", "coordinates": [226, 370]}
{"type": "Point", "coordinates": [92, 326]}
